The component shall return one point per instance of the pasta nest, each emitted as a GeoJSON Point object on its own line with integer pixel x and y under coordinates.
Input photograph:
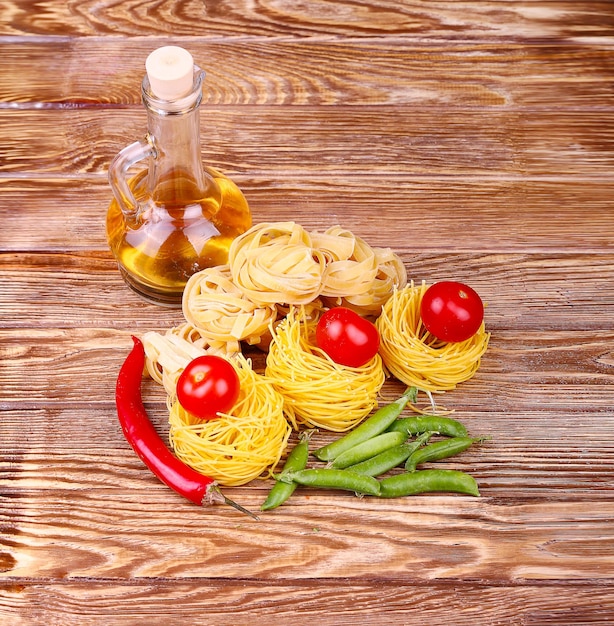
{"type": "Point", "coordinates": [281, 263]}
{"type": "Point", "coordinates": [239, 446]}
{"type": "Point", "coordinates": [277, 263]}
{"type": "Point", "coordinates": [358, 276]}
{"type": "Point", "coordinates": [221, 312]}
{"type": "Point", "coordinates": [317, 391]}
{"type": "Point", "coordinates": [167, 355]}
{"type": "Point", "coordinates": [417, 358]}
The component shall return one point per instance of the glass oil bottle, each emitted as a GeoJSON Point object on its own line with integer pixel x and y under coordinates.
{"type": "Point", "coordinates": [176, 216]}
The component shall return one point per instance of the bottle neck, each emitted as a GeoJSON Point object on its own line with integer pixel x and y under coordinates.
{"type": "Point", "coordinates": [176, 171]}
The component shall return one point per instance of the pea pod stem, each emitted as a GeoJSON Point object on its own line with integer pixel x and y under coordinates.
{"type": "Point", "coordinates": [418, 424]}
{"type": "Point", "coordinates": [389, 459]}
{"type": "Point", "coordinates": [374, 425]}
{"type": "Point", "coordinates": [296, 460]}
{"type": "Point", "coordinates": [330, 478]}
{"type": "Point", "coordinates": [368, 449]}
{"type": "Point", "coordinates": [443, 449]}
{"type": "Point", "coordinates": [429, 480]}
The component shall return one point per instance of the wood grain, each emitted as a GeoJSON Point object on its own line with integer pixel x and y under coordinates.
{"type": "Point", "coordinates": [474, 138]}
{"type": "Point", "coordinates": [320, 72]}
{"type": "Point", "coordinates": [234, 18]}
{"type": "Point", "coordinates": [524, 361]}
{"type": "Point", "coordinates": [230, 603]}
{"type": "Point", "coordinates": [325, 536]}
{"type": "Point", "coordinates": [442, 215]}
{"type": "Point", "coordinates": [528, 292]}
{"type": "Point", "coordinates": [268, 142]}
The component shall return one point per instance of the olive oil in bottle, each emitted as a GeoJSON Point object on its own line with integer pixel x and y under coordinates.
{"type": "Point", "coordinates": [176, 216]}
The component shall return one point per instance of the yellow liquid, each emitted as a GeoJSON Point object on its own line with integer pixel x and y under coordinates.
{"type": "Point", "coordinates": [177, 235]}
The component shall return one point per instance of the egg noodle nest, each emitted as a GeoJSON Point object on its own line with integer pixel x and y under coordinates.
{"type": "Point", "coordinates": [278, 281]}
{"type": "Point", "coordinates": [317, 391]}
{"type": "Point", "coordinates": [239, 446]}
{"type": "Point", "coordinates": [417, 358]}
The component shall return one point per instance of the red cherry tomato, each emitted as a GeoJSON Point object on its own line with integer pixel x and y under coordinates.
{"type": "Point", "coordinates": [451, 311]}
{"type": "Point", "coordinates": [207, 386]}
{"type": "Point", "coordinates": [346, 337]}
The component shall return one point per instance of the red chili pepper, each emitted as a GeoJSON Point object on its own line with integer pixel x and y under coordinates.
{"type": "Point", "coordinates": [144, 439]}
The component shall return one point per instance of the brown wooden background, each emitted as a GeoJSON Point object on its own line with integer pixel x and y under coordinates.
{"type": "Point", "coordinates": [475, 138]}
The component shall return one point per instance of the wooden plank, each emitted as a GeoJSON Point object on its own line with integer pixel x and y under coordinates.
{"type": "Point", "coordinates": [268, 141]}
{"type": "Point", "coordinates": [242, 603]}
{"type": "Point", "coordinates": [416, 215]}
{"type": "Point", "coordinates": [320, 72]}
{"type": "Point", "coordinates": [536, 452]}
{"type": "Point", "coordinates": [114, 534]}
{"type": "Point", "coordinates": [560, 370]}
{"type": "Point", "coordinates": [419, 19]}
{"type": "Point", "coordinates": [522, 292]}
{"type": "Point", "coordinates": [54, 455]}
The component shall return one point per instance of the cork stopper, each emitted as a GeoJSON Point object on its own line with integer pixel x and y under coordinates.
{"type": "Point", "coordinates": [170, 70]}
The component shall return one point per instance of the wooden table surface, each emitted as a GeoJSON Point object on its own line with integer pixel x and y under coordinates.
{"type": "Point", "coordinates": [476, 139]}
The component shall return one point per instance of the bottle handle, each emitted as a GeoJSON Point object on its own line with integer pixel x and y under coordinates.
{"type": "Point", "coordinates": [118, 175]}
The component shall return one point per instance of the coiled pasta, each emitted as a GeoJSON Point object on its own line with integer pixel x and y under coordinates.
{"type": "Point", "coordinates": [276, 263]}
{"type": "Point", "coordinates": [416, 357]}
{"type": "Point", "coordinates": [221, 311]}
{"type": "Point", "coordinates": [238, 447]}
{"type": "Point", "coordinates": [317, 391]}
{"type": "Point", "coordinates": [167, 355]}
{"type": "Point", "coordinates": [351, 264]}
{"type": "Point", "coordinates": [281, 263]}
{"type": "Point", "coordinates": [391, 274]}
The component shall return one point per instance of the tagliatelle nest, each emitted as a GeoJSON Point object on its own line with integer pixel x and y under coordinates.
{"type": "Point", "coordinates": [282, 263]}
{"type": "Point", "coordinates": [221, 311]}
{"type": "Point", "coordinates": [167, 355]}
{"type": "Point", "coordinates": [317, 391]}
{"type": "Point", "coordinates": [417, 358]}
{"type": "Point", "coordinates": [351, 265]}
{"type": "Point", "coordinates": [276, 263]}
{"type": "Point", "coordinates": [274, 266]}
{"type": "Point", "coordinates": [391, 275]}
{"type": "Point", "coordinates": [358, 276]}
{"type": "Point", "coordinates": [239, 446]}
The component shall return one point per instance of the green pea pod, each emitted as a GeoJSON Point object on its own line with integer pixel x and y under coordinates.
{"type": "Point", "coordinates": [417, 424]}
{"type": "Point", "coordinates": [424, 481]}
{"type": "Point", "coordinates": [443, 449]}
{"type": "Point", "coordinates": [372, 426]}
{"type": "Point", "coordinates": [389, 459]}
{"type": "Point", "coordinates": [368, 449]}
{"type": "Point", "coordinates": [297, 460]}
{"type": "Point", "coordinates": [329, 478]}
